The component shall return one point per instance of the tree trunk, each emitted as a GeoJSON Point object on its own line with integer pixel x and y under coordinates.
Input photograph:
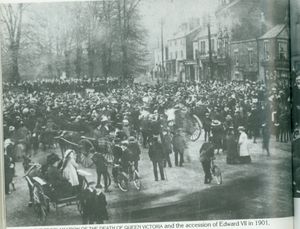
{"type": "Point", "coordinates": [67, 64]}
{"type": "Point", "coordinates": [15, 75]}
{"type": "Point", "coordinates": [78, 61]}
{"type": "Point", "coordinates": [90, 61]}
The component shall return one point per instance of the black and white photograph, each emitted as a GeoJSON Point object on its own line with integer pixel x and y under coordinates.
{"type": "Point", "coordinates": [295, 80]}
{"type": "Point", "coordinates": [135, 111]}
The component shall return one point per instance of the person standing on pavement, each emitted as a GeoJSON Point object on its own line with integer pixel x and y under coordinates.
{"type": "Point", "coordinates": [8, 171]}
{"type": "Point", "coordinates": [156, 155]}
{"type": "Point", "coordinates": [179, 145]}
{"type": "Point", "coordinates": [243, 146]}
{"type": "Point", "coordinates": [266, 138]}
{"type": "Point", "coordinates": [135, 150]}
{"type": "Point", "coordinates": [231, 146]}
{"type": "Point", "coordinates": [167, 146]}
{"type": "Point", "coordinates": [206, 155]}
{"type": "Point", "coordinates": [207, 126]}
{"type": "Point", "coordinates": [101, 167]}
{"type": "Point", "coordinates": [94, 206]}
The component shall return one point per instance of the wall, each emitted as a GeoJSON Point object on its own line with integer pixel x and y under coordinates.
{"type": "Point", "coordinates": [240, 53]}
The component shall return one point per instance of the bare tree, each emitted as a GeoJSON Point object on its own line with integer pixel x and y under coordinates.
{"type": "Point", "coordinates": [11, 16]}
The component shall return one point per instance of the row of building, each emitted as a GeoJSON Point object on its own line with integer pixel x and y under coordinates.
{"type": "Point", "coordinates": [238, 43]}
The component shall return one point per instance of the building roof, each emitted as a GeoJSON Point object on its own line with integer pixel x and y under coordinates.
{"type": "Point", "coordinates": [182, 34]}
{"type": "Point", "coordinates": [203, 33]}
{"type": "Point", "coordinates": [274, 32]}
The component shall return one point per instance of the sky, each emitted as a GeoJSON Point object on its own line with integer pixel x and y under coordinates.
{"type": "Point", "coordinates": [173, 12]}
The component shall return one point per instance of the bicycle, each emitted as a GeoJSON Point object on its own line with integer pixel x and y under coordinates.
{"type": "Point", "coordinates": [216, 172]}
{"type": "Point", "coordinates": [123, 178]}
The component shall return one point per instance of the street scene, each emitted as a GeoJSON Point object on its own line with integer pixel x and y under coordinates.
{"type": "Point", "coordinates": [127, 111]}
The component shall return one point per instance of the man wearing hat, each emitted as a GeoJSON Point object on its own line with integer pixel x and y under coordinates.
{"type": "Point", "coordinates": [206, 155]}
{"type": "Point", "coordinates": [231, 146]}
{"type": "Point", "coordinates": [94, 206]}
{"type": "Point", "coordinates": [207, 126]}
{"type": "Point", "coordinates": [217, 134]}
{"type": "Point", "coordinates": [156, 155]}
{"type": "Point", "coordinates": [101, 166]}
{"type": "Point", "coordinates": [167, 146]}
{"type": "Point", "coordinates": [179, 146]}
{"type": "Point", "coordinates": [135, 151]}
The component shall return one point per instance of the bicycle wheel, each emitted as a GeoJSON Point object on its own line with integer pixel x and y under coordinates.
{"type": "Point", "coordinates": [137, 181]}
{"type": "Point", "coordinates": [123, 183]}
{"type": "Point", "coordinates": [196, 128]}
{"type": "Point", "coordinates": [217, 174]}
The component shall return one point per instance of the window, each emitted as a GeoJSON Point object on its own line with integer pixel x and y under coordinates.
{"type": "Point", "coordinates": [266, 50]}
{"type": "Point", "coordinates": [181, 54]}
{"type": "Point", "coordinates": [176, 54]}
{"type": "Point", "coordinates": [202, 47]}
{"type": "Point", "coordinates": [283, 50]}
{"type": "Point", "coordinates": [196, 53]}
{"type": "Point", "coordinates": [175, 42]}
{"type": "Point", "coordinates": [250, 55]}
{"type": "Point", "coordinates": [171, 57]}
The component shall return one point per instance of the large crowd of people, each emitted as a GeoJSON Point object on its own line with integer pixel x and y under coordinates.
{"type": "Point", "coordinates": [230, 112]}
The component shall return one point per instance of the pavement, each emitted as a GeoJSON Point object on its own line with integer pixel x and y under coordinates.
{"type": "Point", "coordinates": [261, 189]}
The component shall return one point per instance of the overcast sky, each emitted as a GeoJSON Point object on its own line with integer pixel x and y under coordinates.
{"type": "Point", "coordinates": [173, 12]}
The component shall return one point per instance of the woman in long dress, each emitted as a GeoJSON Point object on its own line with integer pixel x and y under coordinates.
{"type": "Point", "coordinates": [243, 147]}
{"type": "Point", "coordinates": [69, 168]}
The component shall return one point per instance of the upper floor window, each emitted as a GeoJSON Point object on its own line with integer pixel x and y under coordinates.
{"type": "Point", "coordinates": [283, 50]}
{"type": "Point", "coordinates": [181, 53]}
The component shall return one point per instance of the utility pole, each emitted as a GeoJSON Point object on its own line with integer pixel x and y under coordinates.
{"type": "Point", "coordinates": [210, 52]}
{"type": "Point", "coordinates": [162, 55]}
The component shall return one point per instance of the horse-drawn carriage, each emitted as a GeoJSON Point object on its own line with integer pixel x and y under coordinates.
{"type": "Point", "coordinates": [44, 195]}
{"type": "Point", "coordinates": [85, 147]}
{"type": "Point", "coordinates": [186, 119]}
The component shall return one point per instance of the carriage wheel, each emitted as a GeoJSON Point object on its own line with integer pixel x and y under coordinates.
{"type": "Point", "coordinates": [40, 203]}
{"type": "Point", "coordinates": [197, 128]}
{"type": "Point", "coordinates": [86, 149]}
